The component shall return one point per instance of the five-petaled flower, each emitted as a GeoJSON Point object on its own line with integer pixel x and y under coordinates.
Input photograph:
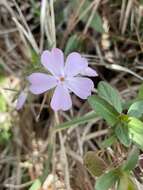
{"type": "Point", "coordinates": [65, 78]}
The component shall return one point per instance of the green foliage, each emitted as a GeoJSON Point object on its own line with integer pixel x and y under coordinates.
{"type": "Point", "coordinates": [5, 133]}
{"type": "Point", "coordinates": [73, 44]}
{"type": "Point", "coordinates": [107, 180]}
{"type": "Point", "coordinates": [109, 141]}
{"type": "Point", "coordinates": [141, 2]}
{"type": "Point", "coordinates": [5, 136]}
{"type": "Point", "coordinates": [36, 185]}
{"type": "Point", "coordinates": [96, 22]}
{"type": "Point", "coordinates": [137, 139]}
{"type": "Point", "coordinates": [35, 59]}
{"type": "Point", "coordinates": [132, 160]}
{"type": "Point", "coordinates": [140, 93]}
{"type": "Point", "coordinates": [104, 109]}
{"type": "Point", "coordinates": [136, 109]}
{"type": "Point", "coordinates": [2, 75]}
{"type": "Point", "coordinates": [95, 165]}
{"type": "Point", "coordinates": [122, 134]}
{"type": "Point", "coordinates": [3, 104]}
{"type": "Point", "coordinates": [127, 128]}
{"type": "Point", "coordinates": [77, 121]}
{"type": "Point", "coordinates": [135, 127]}
{"type": "Point", "coordinates": [110, 94]}
{"type": "Point", "coordinates": [126, 183]}
{"type": "Point", "coordinates": [35, 64]}
{"type": "Point", "coordinates": [35, 8]}
{"type": "Point", "coordinates": [117, 177]}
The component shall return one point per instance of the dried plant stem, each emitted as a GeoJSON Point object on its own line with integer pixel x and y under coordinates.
{"type": "Point", "coordinates": [63, 157]}
{"type": "Point", "coordinates": [122, 12]}
{"type": "Point", "coordinates": [128, 10]}
{"type": "Point", "coordinates": [25, 28]}
{"type": "Point", "coordinates": [51, 36]}
{"type": "Point", "coordinates": [41, 107]}
{"type": "Point", "coordinates": [53, 23]}
{"type": "Point", "coordinates": [97, 2]}
{"type": "Point", "coordinates": [75, 20]}
{"type": "Point", "coordinates": [51, 155]}
{"type": "Point", "coordinates": [42, 22]}
{"type": "Point", "coordinates": [21, 186]}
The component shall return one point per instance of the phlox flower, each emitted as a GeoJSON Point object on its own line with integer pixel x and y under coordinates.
{"type": "Point", "coordinates": [21, 100]}
{"type": "Point", "coordinates": [65, 78]}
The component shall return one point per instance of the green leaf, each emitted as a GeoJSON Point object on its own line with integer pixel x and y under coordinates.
{"type": "Point", "coordinates": [136, 109]}
{"type": "Point", "coordinates": [95, 165]}
{"type": "Point", "coordinates": [108, 142]}
{"type": "Point", "coordinates": [132, 160]}
{"type": "Point", "coordinates": [137, 139]}
{"type": "Point", "coordinates": [127, 104]}
{"type": "Point", "coordinates": [122, 134]}
{"type": "Point", "coordinates": [132, 185]}
{"type": "Point", "coordinates": [135, 125]}
{"type": "Point", "coordinates": [110, 94]}
{"type": "Point", "coordinates": [125, 183]}
{"type": "Point", "coordinates": [77, 121]}
{"type": "Point", "coordinates": [36, 185]}
{"type": "Point", "coordinates": [104, 109]}
{"type": "Point", "coordinates": [2, 75]}
{"type": "Point", "coordinates": [72, 44]}
{"type": "Point", "coordinates": [141, 2]}
{"type": "Point", "coordinates": [140, 93]}
{"type": "Point", "coordinates": [107, 180]}
{"type": "Point", "coordinates": [5, 136]}
{"type": "Point", "coordinates": [96, 22]}
{"type": "Point", "coordinates": [34, 58]}
{"type": "Point", "coordinates": [3, 104]}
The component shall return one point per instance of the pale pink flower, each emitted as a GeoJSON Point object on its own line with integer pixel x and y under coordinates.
{"type": "Point", "coordinates": [65, 78]}
{"type": "Point", "coordinates": [21, 100]}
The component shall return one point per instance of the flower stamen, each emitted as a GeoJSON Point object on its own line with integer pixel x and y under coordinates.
{"type": "Point", "coordinates": [62, 79]}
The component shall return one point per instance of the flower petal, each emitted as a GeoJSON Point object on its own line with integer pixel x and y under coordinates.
{"type": "Point", "coordinates": [21, 100]}
{"type": "Point", "coordinates": [75, 64]}
{"type": "Point", "coordinates": [41, 82]}
{"type": "Point", "coordinates": [53, 61]}
{"type": "Point", "coordinates": [89, 72]}
{"type": "Point", "coordinates": [81, 86]}
{"type": "Point", "coordinates": [61, 99]}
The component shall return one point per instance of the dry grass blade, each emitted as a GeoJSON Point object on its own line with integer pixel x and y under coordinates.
{"type": "Point", "coordinates": [97, 2]}
{"type": "Point", "coordinates": [127, 14]}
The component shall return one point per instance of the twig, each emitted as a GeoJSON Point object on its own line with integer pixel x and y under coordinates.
{"type": "Point", "coordinates": [96, 134]}
{"type": "Point", "coordinates": [97, 2]}
{"type": "Point", "coordinates": [63, 157]}
{"type": "Point", "coordinates": [53, 22]}
{"type": "Point", "coordinates": [42, 22]}
{"type": "Point", "coordinates": [128, 10]}
{"type": "Point", "coordinates": [18, 186]}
